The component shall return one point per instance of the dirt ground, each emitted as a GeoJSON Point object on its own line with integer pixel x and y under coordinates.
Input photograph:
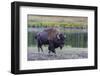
{"type": "Point", "coordinates": [65, 53]}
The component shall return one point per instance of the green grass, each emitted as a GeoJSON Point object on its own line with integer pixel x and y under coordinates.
{"type": "Point", "coordinates": [57, 24]}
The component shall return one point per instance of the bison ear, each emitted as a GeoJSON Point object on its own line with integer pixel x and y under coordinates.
{"type": "Point", "coordinates": [58, 36]}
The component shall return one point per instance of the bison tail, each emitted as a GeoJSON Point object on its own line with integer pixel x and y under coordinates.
{"type": "Point", "coordinates": [36, 37]}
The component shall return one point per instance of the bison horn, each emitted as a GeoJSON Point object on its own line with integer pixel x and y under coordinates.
{"type": "Point", "coordinates": [58, 36]}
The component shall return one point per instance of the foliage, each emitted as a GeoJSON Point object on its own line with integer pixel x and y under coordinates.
{"type": "Point", "coordinates": [56, 24]}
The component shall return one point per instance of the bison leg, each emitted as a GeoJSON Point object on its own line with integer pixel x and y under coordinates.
{"type": "Point", "coordinates": [40, 46]}
{"type": "Point", "coordinates": [38, 49]}
{"type": "Point", "coordinates": [54, 53]}
{"type": "Point", "coordinates": [49, 52]}
{"type": "Point", "coordinates": [41, 49]}
{"type": "Point", "coordinates": [51, 47]}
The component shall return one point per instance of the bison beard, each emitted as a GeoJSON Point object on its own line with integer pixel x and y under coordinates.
{"type": "Point", "coordinates": [49, 37]}
{"type": "Point", "coordinates": [53, 45]}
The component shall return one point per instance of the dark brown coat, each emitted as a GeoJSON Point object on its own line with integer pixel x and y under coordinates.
{"type": "Point", "coordinates": [52, 33]}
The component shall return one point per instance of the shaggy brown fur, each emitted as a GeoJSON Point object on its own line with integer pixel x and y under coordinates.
{"type": "Point", "coordinates": [52, 33]}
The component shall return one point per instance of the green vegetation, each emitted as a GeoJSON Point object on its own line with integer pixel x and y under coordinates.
{"type": "Point", "coordinates": [31, 39]}
{"type": "Point", "coordinates": [56, 24]}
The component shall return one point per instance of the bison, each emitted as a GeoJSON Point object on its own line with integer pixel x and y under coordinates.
{"type": "Point", "coordinates": [51, 37]}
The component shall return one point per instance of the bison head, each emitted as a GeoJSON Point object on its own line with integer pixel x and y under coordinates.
{"type": "Point", "coordinates": [60, 40]}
